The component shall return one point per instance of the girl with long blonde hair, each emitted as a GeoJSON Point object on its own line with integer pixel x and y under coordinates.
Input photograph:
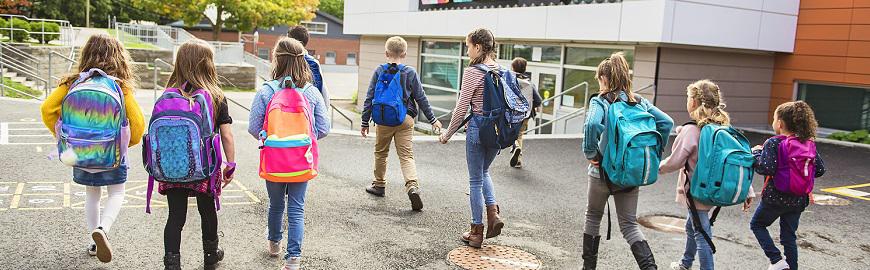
{"type": "Point", "coordinates": [194, 69]}
{"type": "Point", "coordinates": [614, 78]}
{"type": "Point", "coordinates": [290, 70]}
{"type": "Point", "coordinates": [107, 54]}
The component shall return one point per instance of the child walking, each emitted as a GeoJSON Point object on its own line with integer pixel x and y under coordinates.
{"type": "Point", "coordinates": [615, 83]}
{"type": "Point", "coordinates": [481, 50]}
{"type": "Point", "coordinates": [408, 92]}
{"type": "Point", "coordinates": [289, 71]}
{"type": "Point", "coordinates": [195, 71]}
{"type": "Point", "coordinates": [107, 55]}
{"type": "Point", "coordinates": [301, 34]}
{"type": "Point", "coordinates": [705, 105]}
{"type": "Point", "coordinates": [530, 92]}
{"type": "Point", "coordinates": [790, 162]}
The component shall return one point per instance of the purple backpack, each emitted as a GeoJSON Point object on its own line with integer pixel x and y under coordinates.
{"type": "Point", "coordinates": [796, 166]}
{"type": "Point", "coordinates": [181, 145]}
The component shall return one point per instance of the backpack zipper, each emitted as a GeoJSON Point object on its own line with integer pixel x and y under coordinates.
{"type": "Point", "coordinates": [647, 162]}
{"type": "Point", "coordinates": [807, 168]}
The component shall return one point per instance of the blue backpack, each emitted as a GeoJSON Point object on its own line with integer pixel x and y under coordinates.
{"type": "Point", "coordinates": [633, 145]}
{"type": "Point", "coordinates": [724, 171]}
{"type": "Point", "coordinates": [504, 108]}
{"type": "Point", "coordinates": [388, 105]}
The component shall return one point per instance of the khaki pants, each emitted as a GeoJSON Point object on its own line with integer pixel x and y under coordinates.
{"type": "Point", "coordinates": [402, 135]}
{"type": "Point", "coordinates": [520, 139]}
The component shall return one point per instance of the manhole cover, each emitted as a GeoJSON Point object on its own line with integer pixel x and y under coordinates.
{"type": "Point", "coordinates": [492, 257]}
{"type": "Point", "coordinates": [829, 200]}
{"type": "Point", "coordinates": [664, 223]}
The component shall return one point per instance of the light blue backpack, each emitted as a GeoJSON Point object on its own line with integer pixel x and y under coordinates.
{"type": "Point", "coordinates": [724, 171]}
{"type": "Point", "coordinates": [633, 145]}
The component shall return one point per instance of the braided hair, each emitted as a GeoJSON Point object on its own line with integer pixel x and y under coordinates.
{"type": "Point", "coordinates": [712, 108]}
{"type": "Point", "coordinates": [486, 40]}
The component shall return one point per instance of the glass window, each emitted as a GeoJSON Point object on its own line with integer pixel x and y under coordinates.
{"type": "Point", "coordinates": [838, 107]}
{"type": "Point", "coordinates": [442, 47]}
{"type": "Point", "coordinates": [351, 59]}
{"type": "Point", "coordinates": [572, 78]}
{"type": "Point", "coordinates": [316, 28]}
{"type": "Point", "coordinates": [532, 53]}
{"type": "Point", "coordinates": [593, 56]}
{"type": "Point", "coordinates": [441, 101]}
{"type": "Point", "coordinates": [440, 71]}
{"type": "Point", "coordinates": [330, 58]}
{"type": "Point", "coordinates": [263, 53]}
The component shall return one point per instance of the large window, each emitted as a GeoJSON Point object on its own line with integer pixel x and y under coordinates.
{"type": "Point", "coordinates": [532, 53]}
{"type": "Point", "coordinates": [838, 107]}
{"type": "Point", "coordinates": [580, 66]}
{"type": "Point", "coordinates": [440, 71]}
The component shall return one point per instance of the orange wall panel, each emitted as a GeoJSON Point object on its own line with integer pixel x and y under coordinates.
{"type": "Point", "coordinates": [861, 79]}
{"type": "Point", "coordinates": [813, 63]}
{"type": "Point", "coordinates": [825, 16]}
{"type": "Point", "coordinates": [858, 65]}
{"type": "Point", "coordinates": [859, 49]}
{"type": "Point", "coordinates": [823, 32]}
{"type": "Point", "coordinates": [814, 4]}
{"type": "Point", "coordinates": [861, 3]}
{"type": "Point", "coordinates": [861, 16]}
{"type": "Point", "coordinates": [821, 47]}
{"type": "Point", "coordinates": [860, 32]}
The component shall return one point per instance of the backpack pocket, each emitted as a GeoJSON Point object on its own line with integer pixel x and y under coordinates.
{"type": "Point", "coordinates": [641, 161]}
{"type": "Point", "coordinates": [733, 186]}
{"type": "Point", "coordinates": [488, 131]}
{"type": "Point", "coordinates": [287, 157]}
{"type": "Point", "coordinates": [387, 114]}
{"type": "Point", "coordinates": [88, 148]}
{"type": "Point", "coordinates": [177, 150]}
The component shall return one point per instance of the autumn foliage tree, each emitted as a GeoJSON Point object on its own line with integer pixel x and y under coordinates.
{"type": "Point", "coordinates": [243, 15]}
{"type": "Point", "coordinates": [16, 7]}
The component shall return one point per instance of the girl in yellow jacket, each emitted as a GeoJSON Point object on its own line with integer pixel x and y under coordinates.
{"type": "Point", "coordinates": [105, 53]}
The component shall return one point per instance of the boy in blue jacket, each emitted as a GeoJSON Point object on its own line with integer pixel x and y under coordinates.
{"type": "Point", "coordinates": [300, 33]}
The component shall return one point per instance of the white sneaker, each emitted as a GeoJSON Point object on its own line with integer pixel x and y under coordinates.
{"type": "Point", "coordinates": [294, 263]}
{"type": "Point", "coordinates": [273, 248]}
{"type": "Point", "coordinates": [678, 266]}
{"type": "Point", "coordinates": [92, 249]}
{"type": "Point", "coordinates": [104, 249]}
{"type": "Point", "coordinates": [780, 265]}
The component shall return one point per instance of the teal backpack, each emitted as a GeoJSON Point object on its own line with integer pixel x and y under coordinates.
{"type": "Point", "coordinates": [633, 145]}
{"type": "Point", "coordinates": [723, 173]}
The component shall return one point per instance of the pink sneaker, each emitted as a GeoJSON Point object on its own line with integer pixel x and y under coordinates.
{"type": "Point", "coordinates": [294, 263]}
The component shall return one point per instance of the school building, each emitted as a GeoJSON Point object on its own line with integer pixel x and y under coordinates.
{"type": "Point", "coordinates": [761, 52]}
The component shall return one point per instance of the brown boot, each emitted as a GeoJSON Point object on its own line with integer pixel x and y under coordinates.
{"type": "Point", "coordinates": [493, 221]}
{"type": "Point", "coordinates": [474, 237]}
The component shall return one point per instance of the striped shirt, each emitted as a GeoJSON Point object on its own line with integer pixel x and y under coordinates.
{"type": "Point", "coordinates": [470, 93]}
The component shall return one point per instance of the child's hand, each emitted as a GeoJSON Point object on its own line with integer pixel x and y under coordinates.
{"type": "Point", "coordinates": [228, 172]}
{"type": "Point", "coordinates": [436, 127]}
{"type": "Point", "coordinates": [756, 148]}
{"type": "Point", "coordinates": [442, 139]}
{"type": "Point", "coordinates": [364, 132]}
{"type": "Point", "coordinates": [747, 204]}
{"type": "Point", "coordinates": [595, 163]}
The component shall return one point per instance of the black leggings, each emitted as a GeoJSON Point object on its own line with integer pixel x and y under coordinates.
{"type": "Point", "coordinates": [178, 214]}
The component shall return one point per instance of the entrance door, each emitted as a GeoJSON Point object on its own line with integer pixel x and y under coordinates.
{"type": "Point", "coordinates": [549, 83]}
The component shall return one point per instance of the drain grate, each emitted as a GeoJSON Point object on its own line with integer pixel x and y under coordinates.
{"type": "Point", "coordinates": [829, 200]}
{"type": "Point", "coordinates": [663, 223]}
{"type": "Point", "coordinates": [492, 257]}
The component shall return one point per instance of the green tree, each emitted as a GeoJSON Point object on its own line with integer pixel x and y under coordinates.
{"type": "Point", "coordinates": [74, 11]}
{"type": "Point", "coordinates": [332, 7]}
{"type": "Point", "coordinates": [242, 15]}
{"type": "Point", "coordinates": [17, 7]}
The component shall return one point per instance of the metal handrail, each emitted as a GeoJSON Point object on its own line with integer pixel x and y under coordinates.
{"type": "Point", "coordinates": [334, 109]}
{"type": "Point", "coordinates": [575, 87]}
{"type": "Point", "coordinates": [3, 92]}
{"type": "Point", "coordinates": [157, 74]}
{"type": "Point", "coordinates": [580, 111]}
{"type": "Point", "coordinates": [67, 37]}
{"type": "Point", "coordinates": [51, 69]}
{"type": "Point", "coordinates": [230, 99]}
{"type": "Point", "coordinates": [18, 51]}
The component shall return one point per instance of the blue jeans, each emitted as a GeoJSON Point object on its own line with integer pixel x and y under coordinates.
{"type": "Point", "coordinates": [695, 242]}
{"type": "Point", "coordinates": [789, 217]}
{"type": "Point", "coordinates": [478, 158]}
{"type": "Point", "coordinates": [295, 195]}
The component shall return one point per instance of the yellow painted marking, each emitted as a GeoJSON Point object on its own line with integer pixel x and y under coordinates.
{"type": "Point", "coordinates": [239, 183]}
{"type": "Point", "coordinates": [66, 197]}
{"type": "Point", "coordinates": [17, 198]}
{"type": "Point", "coordinates": [849, 191]}
{"type": "Point", "coordinates": [251, 195]}
{"type": "Point", "coordinates": [41, 208]}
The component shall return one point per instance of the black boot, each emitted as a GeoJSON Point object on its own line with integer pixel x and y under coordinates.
{"type": "Point", "coordinates": [643, 255]}
{"type": "Point", "coordinates": [590, 251]}
{"type": "Point", "coordinates": [172, 261]}
{"type": "Point", "coordinates": [212, 254]}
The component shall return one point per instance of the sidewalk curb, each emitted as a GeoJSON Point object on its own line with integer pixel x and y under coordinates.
{"type": "Point", "coordinates": [820, 140]}
{"type": "Point", "coordinates": [21, 100]}
{"type": "Point", "coordinates": [456, 137]}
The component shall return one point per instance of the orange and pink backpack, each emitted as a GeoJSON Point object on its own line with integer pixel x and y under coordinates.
{"type": "Point", "coordinates": [289, 146]}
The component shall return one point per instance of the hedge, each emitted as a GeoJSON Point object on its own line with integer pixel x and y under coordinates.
{"type": "Point", "coordinates": [20, 30]}
{"type": "Point", "coordinates": [49, 27]}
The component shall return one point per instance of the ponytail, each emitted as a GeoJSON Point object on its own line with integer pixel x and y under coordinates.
{"type": "Point", "coordinates": [616, 70]}
{"type": "Point", "coordinates": [486, 40]}
{"type": "Point", "coordinates": [711, 108]}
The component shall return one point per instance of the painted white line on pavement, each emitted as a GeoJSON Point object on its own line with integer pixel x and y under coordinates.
{"type": "Point", "coordinates": [31, 135]}
{"type": "Point", "coordinates": [4, 133]}
{"type": "Point", "coordinates": [29, 129]}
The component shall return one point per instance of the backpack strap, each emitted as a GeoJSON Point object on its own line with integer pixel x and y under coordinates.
{"type": "Point", "coordinates": [696, 220]}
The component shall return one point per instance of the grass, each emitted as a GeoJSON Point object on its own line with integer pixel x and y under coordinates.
{"type": "Point", "coordinates": [20, 87]}
{"type": "Point", "coordinates": [131, 42]}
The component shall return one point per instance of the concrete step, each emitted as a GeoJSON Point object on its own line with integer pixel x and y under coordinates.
{"type": "Point", "coordinates": [10, 74]}
{"type": "Point", "coordinates": [18, 79]}
{"type": "Point", "coordinates": [30, 84]}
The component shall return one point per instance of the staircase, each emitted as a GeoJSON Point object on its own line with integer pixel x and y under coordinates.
{"type": "Point", "coordinates": [15, 77]}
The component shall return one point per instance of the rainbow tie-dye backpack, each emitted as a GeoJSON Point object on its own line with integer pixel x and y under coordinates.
{"type": "Point", "coordinates": [93, 131]}
{"type": "Point", "coordinates": [289, 150]}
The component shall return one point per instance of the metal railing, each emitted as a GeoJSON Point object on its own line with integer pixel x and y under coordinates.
{"type": "Point", "coordinates": [51, 66]}
{"type": "Point", "coordinates": [169, 38]}
{"type": "Point", "coordinates": [579, 112]}
{"type": "Point", "coordinates": [29, 67]}
{"type": "Point", "coordinates": [262, 66]}
{"type": "Point", "coordinates": [65, 33]}
{"type": "Point", "coordinates": [343, 115]}
{"type": "Point", "coordinates": [157, 74]}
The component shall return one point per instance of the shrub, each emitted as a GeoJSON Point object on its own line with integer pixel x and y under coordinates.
{"type": "Point", "coordinates": [20, 28]}
{"type": "Point", "coordinates": [48, 27]}
{"type": "Point", "coordinates": [858, 136]}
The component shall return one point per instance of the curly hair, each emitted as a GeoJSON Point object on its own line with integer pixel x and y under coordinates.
{"type": "Point", "coordinates": [798, 118]}
{"type": "Point", "coordinates": [711, 108]}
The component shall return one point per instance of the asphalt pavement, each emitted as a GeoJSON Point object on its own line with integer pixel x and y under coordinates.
{"type": "Point", "coordinates": [542, 205]}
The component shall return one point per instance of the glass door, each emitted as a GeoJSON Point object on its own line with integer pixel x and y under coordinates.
{"type": "Point", "coordinates": [548, 80]}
